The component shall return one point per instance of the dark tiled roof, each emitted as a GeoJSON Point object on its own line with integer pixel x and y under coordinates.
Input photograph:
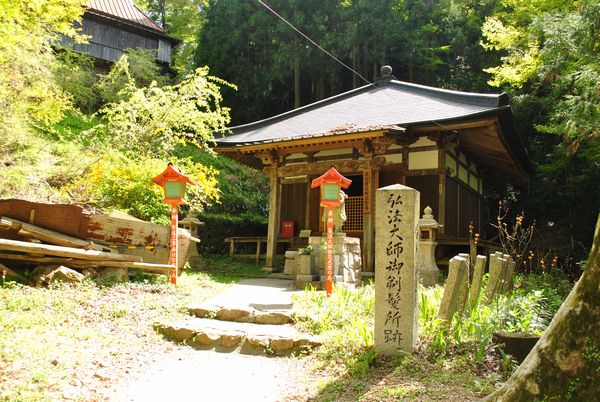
{"type": "Point", "coordinates": [123, 10]}
{"type": "Point", "coordinates": [385, 103]}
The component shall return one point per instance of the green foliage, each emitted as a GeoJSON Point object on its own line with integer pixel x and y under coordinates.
{"type": "Point", "coordinates": [117, 182]}
{"type": "Point", "coordinates": [550, 62]}
{"type": "Point", "coordinates": [28, 91]}
{"type": "Point", "coordinates": [137, 67]}
{"type": "Point", "coordinates": [426, 42]}
{"type": "Point", "coordinates": [75, 74]}
{"type": "Point", "coordinates": [241, 189]}
{"type": "Point", "coordinates": [528, 309]}
{"type": "Point", "coordinates": [181, 19]}
{"type": "Point", "coordinates": [152, 120]}
{"type": "Point", "coordinates": [220, 226]}
{"type": "Point", "coordinates": [344, 321]}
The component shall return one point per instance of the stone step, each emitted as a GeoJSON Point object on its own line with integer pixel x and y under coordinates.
{"type": "Point", "coordinates": [244, 314]}
{"type": "Point", "coordinates": [242, 337]}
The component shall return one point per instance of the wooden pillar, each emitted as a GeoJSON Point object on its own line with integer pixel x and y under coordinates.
{"type": "Point", "coordinates": [274, 212]}
{"type": "Point", "coordinates": [370, 184]}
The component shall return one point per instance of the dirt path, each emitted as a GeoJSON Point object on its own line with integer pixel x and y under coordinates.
{"type": "Point", "coordinates": [195, 375]}
{"type": "Point", "coordinates": [187, 374]}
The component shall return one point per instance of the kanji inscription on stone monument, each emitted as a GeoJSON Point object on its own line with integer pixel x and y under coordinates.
{"type": "Point", "coordinates": [396, 282]}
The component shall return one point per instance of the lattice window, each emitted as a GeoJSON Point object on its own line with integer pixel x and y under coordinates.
{"type": "Point", "coordinates": [354, 214]}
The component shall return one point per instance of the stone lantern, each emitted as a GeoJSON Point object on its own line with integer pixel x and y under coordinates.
{"type": "Point", "coordinates": [193, 224]}
{"type": "Point", "coordinates": [429, 273]}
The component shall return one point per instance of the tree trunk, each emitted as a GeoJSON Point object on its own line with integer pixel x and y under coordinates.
{"type": "Point", "coordinates": [297, 95]}
{"type": "Point", "coordinates": [565, 363]}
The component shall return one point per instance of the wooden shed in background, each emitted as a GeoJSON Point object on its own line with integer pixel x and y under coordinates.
{"type": "Point", "coordinates": [115, 25]}
{"type": "Point", "coordinates": [446, 144]}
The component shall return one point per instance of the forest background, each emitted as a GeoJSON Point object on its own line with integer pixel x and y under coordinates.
{"type": "Point", "coordinates": [68, 135]}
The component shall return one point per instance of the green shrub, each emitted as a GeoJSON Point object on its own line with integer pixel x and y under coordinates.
{"type": "Point", "coordinates": [117, 182]}
{"type": "Point", "coordinates": [219, 226]}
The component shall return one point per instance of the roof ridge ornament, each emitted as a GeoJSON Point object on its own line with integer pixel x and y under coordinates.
{"type": "Point", "coordinates": [385, 74]}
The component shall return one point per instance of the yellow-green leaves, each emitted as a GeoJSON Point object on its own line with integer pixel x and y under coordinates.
{"type": "Point", "coordinates": [153, 120]}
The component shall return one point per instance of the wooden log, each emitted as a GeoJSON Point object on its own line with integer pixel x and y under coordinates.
{"type": "Point", "coordinates": [82, 264]}
{"type": "Point", "coordinates": [24, 247]}
{"type": "Point", "coordinates": [6, 270]}
{"type": "Point", "coordinates": [120, 264]}
{"type": "Point", "coordinates": [47, 235]}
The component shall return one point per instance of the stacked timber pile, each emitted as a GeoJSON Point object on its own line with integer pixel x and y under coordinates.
{"type": "Point", "coordinates": [71, 239]}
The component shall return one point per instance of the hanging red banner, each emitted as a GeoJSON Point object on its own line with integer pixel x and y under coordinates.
{"type": "Point", "coordinates": [329, 264]}
{"type": "Point", "coordinates": [173, 243]}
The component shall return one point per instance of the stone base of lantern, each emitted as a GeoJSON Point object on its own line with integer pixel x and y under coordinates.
{"type": "Point", "coordinates": [347, 260]}
{"type": "Point", "coordinates": [429, 273]}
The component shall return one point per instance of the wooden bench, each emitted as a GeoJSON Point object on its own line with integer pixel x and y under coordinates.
{"type": "Point", "coordinates": [259, 240]}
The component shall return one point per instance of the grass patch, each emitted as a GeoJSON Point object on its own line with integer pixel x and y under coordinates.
{"type": "Point", "coordinates": [452, 360]}
{"type": "Point", "coordinates": [67, 341]}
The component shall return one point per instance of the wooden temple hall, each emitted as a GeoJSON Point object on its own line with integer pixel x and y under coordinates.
{"type": "Point", "coordinates": [446, 144]}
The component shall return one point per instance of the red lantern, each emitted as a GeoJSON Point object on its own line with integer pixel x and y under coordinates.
{"type": "Point", "coordinates": [173, 184]}
{"type": "Point", "coordinates": [331, 183]}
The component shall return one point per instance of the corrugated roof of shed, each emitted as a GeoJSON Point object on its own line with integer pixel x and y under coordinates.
{"type": "Point", "coordinates": [123, 10]}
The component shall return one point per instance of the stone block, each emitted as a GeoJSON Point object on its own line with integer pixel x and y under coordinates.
{"type": "Point", "coordinates": [231, 339]}
{"type": "Point", "coordinates": [291, 263]}
{"type": "Point", "coordinates": [47, 274]}
{"type": "Point", "coordinates": [181, 334]}
{"type": "Point", "coordinates": [475, 289]}
{"type": "Point", "coordinates": [273, 319]}
{"type": "Point", "coordinates": [281, 344]}
{"type": "Point", "coordinates": [511, 275]}
{"type": "Point", "coordinates": [457, 280]}
{"type": "Point", "coordinates": [203, 311]}
{"type": "Point", "coordinates": [396, 277]}
{"type": "Point", "coordinates": [232, 314]}
{"type": "Point", "coordinates": [204, 338]}
{"type": "Point", "coordinates": [114, 274]}
{"type": "Point", "coordinates": [495, 279]}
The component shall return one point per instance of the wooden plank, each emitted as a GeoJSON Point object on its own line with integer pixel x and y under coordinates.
{"type": "Point", "coordinates": [62, 218]}
{"type": "Point", "coordinates": [44, 249]}
{"type": "Point", "coordinates": [312, 141]}
{"type": "Point", "coordinates": [124, 231]}
{"type": "Point", "coordinates": [7, 271]}
{"type": "Point", "coordinates": [82, 264]}
{"type": "Point", "coordinates": [47, 235]}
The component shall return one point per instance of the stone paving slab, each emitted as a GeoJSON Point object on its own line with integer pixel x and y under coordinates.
{"type": "Point", "coordinates": [248, 328]}
{"type": "Point", "coordinates": [267, 294]}
{"type": "Point", "coordinates": [241, 313]}
{"type": "Point", "coordinates": [249, 338]}
{"type": "Point", "coordinates": [252, 317]}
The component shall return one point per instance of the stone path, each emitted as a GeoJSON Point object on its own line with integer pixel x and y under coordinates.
{"type": "Point", "coordinates": [218, 374]}
{"type": "Point", "coordinates": [254, 317]}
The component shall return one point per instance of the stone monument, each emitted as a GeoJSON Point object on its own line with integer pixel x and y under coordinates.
{"type": "Point", "coordinates": [429, 273]}
{"type": "Point", "coordinates": [396, 277]}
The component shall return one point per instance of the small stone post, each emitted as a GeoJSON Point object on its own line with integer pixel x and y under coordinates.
{"type": "Point", "coordinates": [396, 277]}
{"type": "Point", "coordinates": [495, 281]}
{"type": "Point", "coordinates": [464, 285]}
{"type": "Point", "coordinates": [457, 278]}
{"type": "Point", "coordinates": [511, 274]}
{"type": "Point", "coordinates": [475, 289]}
